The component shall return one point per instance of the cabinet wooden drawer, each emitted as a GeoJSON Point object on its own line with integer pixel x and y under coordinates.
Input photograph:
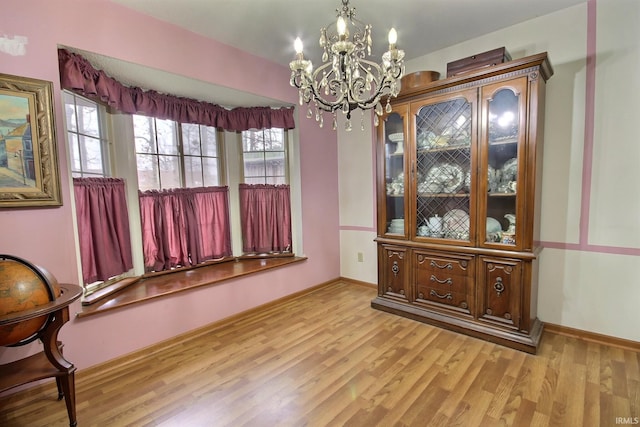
{"type": "Point", "coordinates": [453, 299]}
{"type": "Point", "coordinates": [446, 281]}
{"type": "Point", "coordinates": [444, 265]}
{"type": "Point", "coordinates": [442, 281]}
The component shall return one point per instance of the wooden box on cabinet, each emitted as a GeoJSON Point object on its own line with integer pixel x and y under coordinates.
{"type": "Point", "coordinates": [479, 60]}
{"type": "Point", "coordinates": [458, 189]}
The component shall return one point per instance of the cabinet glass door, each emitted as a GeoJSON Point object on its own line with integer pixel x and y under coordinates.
{"type": "Point", "coordinates": [393, 136]}
{"type": "Point", "coordinates": [445, 149]}
{"type": "Point", "coordinates": [502, 175]}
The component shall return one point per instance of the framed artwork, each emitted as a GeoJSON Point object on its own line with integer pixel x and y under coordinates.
{"type": "Point", "coordinates": [28, 153]}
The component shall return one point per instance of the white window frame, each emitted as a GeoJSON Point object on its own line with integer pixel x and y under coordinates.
{"type": "Point", "coordinates": [102, 137]}
{"type": "Point", "coordinates": [264, 152]}
{"type": "Point", "coordinates": [180, 154]}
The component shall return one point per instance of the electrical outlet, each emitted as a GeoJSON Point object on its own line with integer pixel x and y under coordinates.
{"type": "Point", "coordinates": [360, 257]}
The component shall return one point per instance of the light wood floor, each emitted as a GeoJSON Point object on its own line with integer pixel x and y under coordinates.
{"type": "Point", "coordinates": [328, 359]}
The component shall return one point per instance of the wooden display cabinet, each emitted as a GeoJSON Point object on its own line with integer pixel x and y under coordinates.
{"type": "Point", "coordinates": [458, 178]}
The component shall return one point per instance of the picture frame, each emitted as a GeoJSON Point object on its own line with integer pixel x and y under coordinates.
{"type": "Point", "coordinates": [29, 175]}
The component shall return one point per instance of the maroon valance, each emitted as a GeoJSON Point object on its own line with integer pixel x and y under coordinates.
{"type": "Point", "coordinates": [77, 74]}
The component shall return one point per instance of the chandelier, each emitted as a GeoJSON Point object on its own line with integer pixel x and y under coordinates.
{"type": "Point", "coordinates": [347, 80]}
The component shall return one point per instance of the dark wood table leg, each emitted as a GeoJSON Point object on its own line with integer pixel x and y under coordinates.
{"type": "Point", "coordinates": [65, 379]}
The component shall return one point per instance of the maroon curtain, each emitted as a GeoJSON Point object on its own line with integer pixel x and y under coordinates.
{"type": "Point", "coordinates": [184, 226]}
{"type": "Point", "coordinates": [265, 215]}
{"type": "Point", "coordinates": [103, 227]}
{"type": "Point", "coordinates": [77, 74]}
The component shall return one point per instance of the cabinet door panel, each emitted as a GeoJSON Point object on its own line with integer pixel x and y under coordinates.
{"type": "Point", "coordinates": [502, 165]}
{"type": "Point", "coordinates": [393, 272]}
{"type": "Point", "coordinates": [444, 156]}
{"type": "Point", "coordinates": [392, 171]}
{"type": "Point", "coordinates": [500, 285]}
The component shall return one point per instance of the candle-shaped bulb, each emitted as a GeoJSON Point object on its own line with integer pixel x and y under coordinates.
{"type": "Point", "coordinates": [341, 26]}
{"type": "Point", "coordinates": [393, 37]}
{"type": "Point", "coordinates": [297, 45]}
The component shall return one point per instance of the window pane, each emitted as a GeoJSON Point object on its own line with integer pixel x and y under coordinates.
{"type": "Point", "coordinates": [264, 154]}
{"type": "Point", "coordinates": [254, 164]}
{"type": "Point", "coordinates": [75, 151]}
{"type": "Point", "coordinates": [87, 147]}
{"type": "Point", "coordinates": [276, 180]}
{"type": "Point", "coordinates": [191, 139]}
{"type": "Point", "coordinates": [87, 117]}
{"type": "Point", "coordinates": [91, 155]}
{"type": "Point", "coordinates": [193, 171]}
{"type": "Point", "coordinates": [148, 177]}
{"type": "Point", "coordinates": [169, 172]}
{"type": "Point", "coordinates": [252, 140]}
{"type": "Point", "coordinates": [209, 141]}
{"type": "Point", "coordinates": [274, 163]}
{"type": "Point", "coordinates": [70, 111]}
{"type": "Point", "coordinates": [210, 171]}
{"type": "Point", "coordinates": [274, 140]}
{"type": "Point", "coordinates": [167, 137]}
{"type": "Point", "coordinates": [257, 180]}
{"type": "Point", "coordinates": [144, 133]}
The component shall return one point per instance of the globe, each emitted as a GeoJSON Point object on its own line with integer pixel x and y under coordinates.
{"type": "Point", "coordinates": [23, 286]}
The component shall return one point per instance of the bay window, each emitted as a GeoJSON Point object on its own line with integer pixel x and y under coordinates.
{"type": "Point", "coordinates": [162, 152]}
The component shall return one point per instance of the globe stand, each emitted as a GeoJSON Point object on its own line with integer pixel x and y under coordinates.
{"type": "Point", "coordinates": [50, 362]}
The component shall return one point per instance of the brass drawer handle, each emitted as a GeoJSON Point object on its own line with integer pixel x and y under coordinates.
{"type": "Point", "coordinates": [435, 264]}
{"type": "Point", "coordinates": [443, 282]}
{"type": "Point", "coordinates": [447, 295]}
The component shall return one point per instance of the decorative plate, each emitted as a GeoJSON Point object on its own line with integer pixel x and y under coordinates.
{"type": "Point", "coordinates": [452, 177]}
{"type": "Point", "coordinates": [424, 139]}
{"type": "Point", "coordinates": [509, 171]}
{"type": "Point", "coordinates": [493, 225]}
{"type": "Point", "coordinates": [467, 180]}
{"type": "Point", "coordinates": [396, 137]}
{"type": "Point", "coordinates": [456, 221]}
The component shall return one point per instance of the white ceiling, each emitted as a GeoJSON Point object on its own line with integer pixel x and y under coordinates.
{"type": "Point", "coordinates": [267, 28]}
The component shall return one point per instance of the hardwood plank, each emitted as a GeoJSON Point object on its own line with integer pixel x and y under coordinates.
{"type": "Point", "coordinates": [325, 358]}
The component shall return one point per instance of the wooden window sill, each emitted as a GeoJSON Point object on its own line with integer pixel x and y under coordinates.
{"type": "Point", "coordinates": [156, 286]}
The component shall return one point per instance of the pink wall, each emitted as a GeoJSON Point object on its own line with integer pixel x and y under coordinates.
{"type": "Point", "coordinates": [45, 235]}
